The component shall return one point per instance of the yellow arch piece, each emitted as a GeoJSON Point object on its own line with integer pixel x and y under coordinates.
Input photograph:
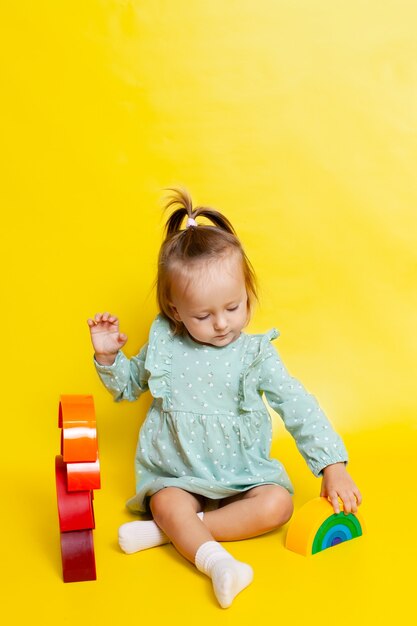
{"type": "Point", "coordinates": [306, 523]}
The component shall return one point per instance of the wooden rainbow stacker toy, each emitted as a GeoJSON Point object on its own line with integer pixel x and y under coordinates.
{"type": "Point", "coordinates": [315, 527]}
{"type": "Point", "coordinates": [77, 473]}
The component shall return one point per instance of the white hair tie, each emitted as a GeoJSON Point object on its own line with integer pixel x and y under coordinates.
{"type": "Point", "coordinates": [191, 222]}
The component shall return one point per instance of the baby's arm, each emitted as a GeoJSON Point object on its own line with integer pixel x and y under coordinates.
{"type": "Point", "coordinates": [125, 379]}
{"type": "Point", "coordinates": [317, 441]}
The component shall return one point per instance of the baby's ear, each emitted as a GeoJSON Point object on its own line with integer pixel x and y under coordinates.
{"type": "Point", "coordinates": [174, 312]}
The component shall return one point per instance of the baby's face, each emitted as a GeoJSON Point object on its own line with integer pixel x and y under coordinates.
{"type": "Point", "coordinates": [211, 301]}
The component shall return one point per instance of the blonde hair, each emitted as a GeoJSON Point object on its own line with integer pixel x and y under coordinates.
{"type": "Point", "coordinates": [182, 247]}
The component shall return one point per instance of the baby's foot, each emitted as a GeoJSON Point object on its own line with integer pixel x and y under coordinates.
{"type": "Point", "coordinates": [229, 578]}
{"type": "Point", "coordinates": [135, 536]}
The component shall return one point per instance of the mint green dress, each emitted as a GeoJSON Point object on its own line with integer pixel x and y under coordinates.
{"type": "Point", "coordinates": [208, 430]}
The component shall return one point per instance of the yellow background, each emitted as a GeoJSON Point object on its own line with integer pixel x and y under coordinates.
{"type": "Point", "coordinates": [297, 118]}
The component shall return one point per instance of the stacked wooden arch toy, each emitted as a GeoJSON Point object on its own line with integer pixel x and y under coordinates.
{"type": "Point", "coordinates": [77, 473]}
{"type": "Point", "coordinates": [315, 527]}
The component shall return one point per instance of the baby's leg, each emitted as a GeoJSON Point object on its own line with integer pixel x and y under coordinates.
{"type": "Point", "coordinates": [250, 514]}
{"type": "Point", "coordinates": [175, 512]}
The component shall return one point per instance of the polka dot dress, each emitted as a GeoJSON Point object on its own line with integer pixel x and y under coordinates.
{"type": "Point", "coordinates": [208, 430]}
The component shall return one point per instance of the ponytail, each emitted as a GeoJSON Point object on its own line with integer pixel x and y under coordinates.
{"type": "Point", "coordinates": [182, 198]}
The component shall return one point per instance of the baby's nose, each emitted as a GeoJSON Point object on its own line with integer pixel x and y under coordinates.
{"type": "Point", "coordinates": [220, 322]}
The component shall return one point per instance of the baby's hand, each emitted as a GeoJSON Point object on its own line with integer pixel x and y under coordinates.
{"type": "Point", "coordinates": [106, 338]}
{"type": "Point", "coordinates": [336, 484]}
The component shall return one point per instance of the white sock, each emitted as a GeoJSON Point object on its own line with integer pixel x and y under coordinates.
{"type": "Point", "coordinates": [228, 576]}
{"type": "Point", "coordinates": [135, 536]}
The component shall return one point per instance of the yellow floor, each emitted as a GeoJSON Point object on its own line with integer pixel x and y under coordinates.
{"type": "Point", "coordinates": [367, 580]}
{"type": "Point", "coordinates": [298, 120]}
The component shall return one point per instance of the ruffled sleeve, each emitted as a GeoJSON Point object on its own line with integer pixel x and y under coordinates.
{"type": "Point", "coordinates": [257, 350]}
{"type": "Point", "coordinates": [159, 361]}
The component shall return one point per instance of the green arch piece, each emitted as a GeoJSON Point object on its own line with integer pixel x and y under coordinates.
{"type": "Point", "coordinates": [349, 520]}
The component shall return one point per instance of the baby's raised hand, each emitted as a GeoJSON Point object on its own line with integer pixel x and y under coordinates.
{"type": "Point", "coordinates": [106, 338]}
{"type": "Point", "coordinates": [337, 483]}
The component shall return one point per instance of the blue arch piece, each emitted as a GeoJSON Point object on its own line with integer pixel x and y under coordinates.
{"type": "Point", "coordinates": [338, 532]}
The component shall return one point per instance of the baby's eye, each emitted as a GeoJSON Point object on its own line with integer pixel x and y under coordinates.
{"type": "Point", "coordinates": [233, 308]}
{"type": "Point", "coordinates": [203, 317]}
